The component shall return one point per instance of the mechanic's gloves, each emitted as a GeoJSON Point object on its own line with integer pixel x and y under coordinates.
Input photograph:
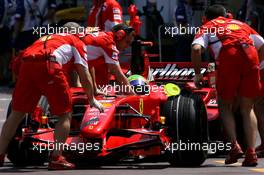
{"type": "Point", "coordinates": [96, 104]}
{"type": "Point", "coordinates": [198, 79]}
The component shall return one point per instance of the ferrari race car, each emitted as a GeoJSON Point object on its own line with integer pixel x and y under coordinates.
{"type": "Point", "coordinates": [167, 121]}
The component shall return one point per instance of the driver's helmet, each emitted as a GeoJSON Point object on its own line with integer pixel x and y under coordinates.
{"type": "Point", "coordinates": [139, 84]}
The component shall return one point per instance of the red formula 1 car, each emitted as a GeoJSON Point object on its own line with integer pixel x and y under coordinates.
{"type": "Point", "coordinates": [135, 127]}
{"type": "Point", "coordinates": [158, 124]}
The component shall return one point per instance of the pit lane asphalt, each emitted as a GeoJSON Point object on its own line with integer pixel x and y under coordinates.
{"type": "Point", "coordinates": [212, 166]}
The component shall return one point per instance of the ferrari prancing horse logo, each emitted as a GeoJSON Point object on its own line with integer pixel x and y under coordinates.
{"type": "Point", "coordinates": [141, 105]}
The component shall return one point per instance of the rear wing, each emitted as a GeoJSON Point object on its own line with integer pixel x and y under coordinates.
{"type": "Point", "coordinates": [181, 71]}
{"type": "Point", "coordinates": [170, 71]}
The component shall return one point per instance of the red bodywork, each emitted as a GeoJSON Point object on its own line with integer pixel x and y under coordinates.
{"type": "Point", "coordinates": [117, 129]}
{"type": "Point", "coordinates": [130, 124]}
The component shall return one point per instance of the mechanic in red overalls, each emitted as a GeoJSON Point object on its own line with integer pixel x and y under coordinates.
{"type": "Point", "coordinates": [105, 14]}
{"type": "Point", "coordinates": [40, 73]}
{"type": "Point", "coordinates": [103, 57]}
{"type": "Point", "coordinates": [232, 43]}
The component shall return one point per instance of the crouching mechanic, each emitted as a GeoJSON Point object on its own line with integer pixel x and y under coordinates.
{"type": "Point", "coordinates": [232, 43]}
{"type": "Point", "coordinates": [40, 73]}
{"type": "Point", "coordinates": [103, 52]}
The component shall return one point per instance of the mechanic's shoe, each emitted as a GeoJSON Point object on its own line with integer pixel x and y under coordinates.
{"type": "Point", "coordinates": [60, 163]}
{"type": "Point", "coordinates": [2, 159]}
{"type": "Point", "coordinates": [234, 154]}
{"type": "Point", "coordinates": [260, 151]}
{"type": "Point", "coordinates": [251, 159]}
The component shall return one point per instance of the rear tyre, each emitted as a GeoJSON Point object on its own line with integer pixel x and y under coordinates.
{"type": "Point", "coordinates": [186, 119]}
{"type": "Point", "coordinates": [20, 151]}
{"type": "Point", "coordinates": [24, 154]}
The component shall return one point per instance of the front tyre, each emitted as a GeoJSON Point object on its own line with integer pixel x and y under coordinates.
{"type": "Point", "coordinates": [186, 119]}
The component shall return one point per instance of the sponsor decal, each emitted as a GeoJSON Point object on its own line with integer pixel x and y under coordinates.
{"type": "Point", "coordinates": [105, 101]}
{"type": "Point", "coordinates": [93, 121]}
{"type": "Point", "coordinates": [97, 113]}
{"type": "Point", "coordinates": [117, 17]}
{"type": "Point", "coordinates": [94, 113]}
{"type": "Point", "coordinates": [212, 103]}
{"type": "Point", "coordinates": [116, 11]}
{"type": "Point", "coordinates": [107, 105]}
{"type": "Point", "coordinates": [141, 105]}
{"type": "Point", "coordinates": [233, 27]}
{"type": "Point", "coordinates": [171, 71]}
{"type": "Point", "coordinates": [93, 110]}
{"type": "Point", "coordinates": [220, 21]}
